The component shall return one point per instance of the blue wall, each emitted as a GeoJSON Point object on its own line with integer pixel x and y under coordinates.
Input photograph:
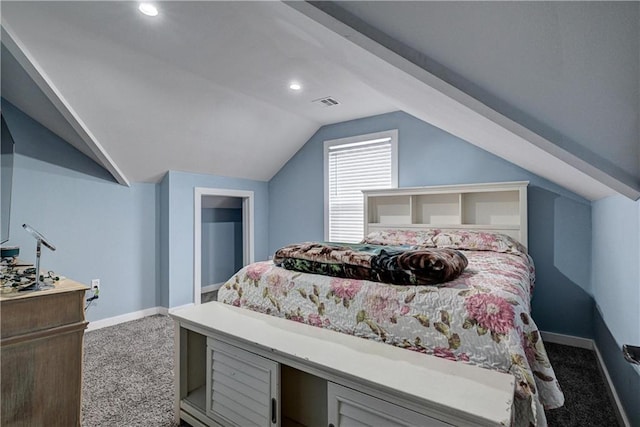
{"type": "Point", "coordinates": [181, 187]}
{"type": "Point", "coordinates": [100, 229]}
{"type": "Point", "coordinates": [559, 221]}
{"type": "Point", "coordinates": [138, 240]}
{"type": "Point", "coordinates": [616, 267]}
{"type": "Point", "coordinates": [221, 244]}
{"type": "Point", "coordinates": [616, 284]}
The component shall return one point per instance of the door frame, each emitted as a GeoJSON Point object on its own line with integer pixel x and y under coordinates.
{"type": "Point", "coordinates": [247, 230]}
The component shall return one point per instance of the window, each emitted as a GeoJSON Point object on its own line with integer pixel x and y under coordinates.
{"type": "Point", "coordinates": [350, 166]}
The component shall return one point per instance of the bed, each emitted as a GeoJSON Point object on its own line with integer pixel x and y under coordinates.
{"type": "Point", "coordinates": [481, 317]}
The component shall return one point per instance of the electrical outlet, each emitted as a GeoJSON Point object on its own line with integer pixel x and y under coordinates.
{"type": "Point", "coordinates": [95, 285]}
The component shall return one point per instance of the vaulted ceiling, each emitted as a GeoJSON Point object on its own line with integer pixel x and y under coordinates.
{"type": "Point", "coordinates": [203, 87]}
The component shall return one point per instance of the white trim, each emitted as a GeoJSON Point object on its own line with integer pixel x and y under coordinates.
{"type": "Point", "coordinates": [391, 133]}
{"type": "Point", "coordinates": [211, 288]}
{"type": "Point", "coordinates": [247, 197]}
{"type": "Point", "coordinates": [134, 315]}
{"type": "Point", "coordinates": [590, 344]}
{"type": "Point", "coordinates": [620, 413]}
{"type": "Point", "coordinates": [567, 340]}
{"type": "Point", "coordinates": [116, 320]}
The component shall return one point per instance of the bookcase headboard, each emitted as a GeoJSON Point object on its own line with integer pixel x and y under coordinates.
{"type": "Point", "coordinates": [499, 207]}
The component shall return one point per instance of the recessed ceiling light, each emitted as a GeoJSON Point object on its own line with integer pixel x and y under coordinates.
{"type": "Point", "coordinates": [148, 9]}
{"type": "Point", "coordinates": [295, 86]}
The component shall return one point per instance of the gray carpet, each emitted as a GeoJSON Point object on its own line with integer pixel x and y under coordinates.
{"type": "Point", "coordinates": [128, 374]}
{"type": "Point", "coordinates": [128, 379]}
{"type": "Point", "coordinates": [587, 401]}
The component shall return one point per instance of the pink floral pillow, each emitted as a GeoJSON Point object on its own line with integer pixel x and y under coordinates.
{"type": "Point", "coordinates": [401, 237]}
{"type": "Point", "coordinates": [476, 241]}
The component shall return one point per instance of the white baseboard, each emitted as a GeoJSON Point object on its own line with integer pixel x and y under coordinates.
{"type": "Point", "coordinates": [211, 288]}
{"type": "Point", "coordinates": [590, 344]}
{"type": "Point", "coordinates": [568, 340]}
{"type": "Point", "coordinates": [620, 413]}
{"type": "Point", "coordinates": [111, 321]}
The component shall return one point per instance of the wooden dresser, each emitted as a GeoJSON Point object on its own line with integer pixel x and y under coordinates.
{"type": "Point", "coordinates": [41, 335]}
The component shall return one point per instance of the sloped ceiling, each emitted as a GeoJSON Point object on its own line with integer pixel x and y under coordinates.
{"type": "Point", "coordinates": [203, 86]}
{"type": "Point", "coordinates": [569, 71]}
{"type": "Point", "coordinates": [571, 108]}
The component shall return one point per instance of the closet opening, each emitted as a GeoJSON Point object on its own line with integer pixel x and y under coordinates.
{"type": "Point", "coordinates": [223, 237]}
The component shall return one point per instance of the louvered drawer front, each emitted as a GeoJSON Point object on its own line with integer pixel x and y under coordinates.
{"type": "Point", "coordinates": [242, 388]}
{"type": "Point", "coordinates": [350, 408]}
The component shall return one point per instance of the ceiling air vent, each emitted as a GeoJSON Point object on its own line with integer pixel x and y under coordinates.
{"type": "Point", "coordinates": [326, 101]}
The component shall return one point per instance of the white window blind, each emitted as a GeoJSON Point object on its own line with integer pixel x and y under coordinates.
{"type": "Point", "coordinates": [353, 166]}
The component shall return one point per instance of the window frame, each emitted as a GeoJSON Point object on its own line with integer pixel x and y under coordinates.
{"type": "Point", "coordinates": [391, 133]}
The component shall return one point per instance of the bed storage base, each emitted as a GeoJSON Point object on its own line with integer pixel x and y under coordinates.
{"type": "Point", "coordinates": [338, 375]}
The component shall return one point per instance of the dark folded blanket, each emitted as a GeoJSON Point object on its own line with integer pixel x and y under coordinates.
{"type": "Point", "coordinates": [379, 263]}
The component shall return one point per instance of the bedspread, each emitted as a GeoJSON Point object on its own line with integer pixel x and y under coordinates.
{"type": "Point", "coordinates": [398, 265]}
{"type": "Point", "coordinates": [481, 318]}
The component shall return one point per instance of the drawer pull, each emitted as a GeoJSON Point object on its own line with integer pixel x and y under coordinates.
{"type": "Point", "coordinates": [273, 411]}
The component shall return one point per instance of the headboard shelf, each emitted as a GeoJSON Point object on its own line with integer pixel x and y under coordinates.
{"type": "Point", "coordinates": [499, 207]}
{"type": "Point", "coordinates": [378, 225]}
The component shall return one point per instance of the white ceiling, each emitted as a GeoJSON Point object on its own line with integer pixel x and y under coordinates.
{"type": "Point", "coordinates": [203, 87]}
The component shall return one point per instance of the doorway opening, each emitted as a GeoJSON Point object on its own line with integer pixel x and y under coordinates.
{"type": "Point", "coordinates": [223, 236]}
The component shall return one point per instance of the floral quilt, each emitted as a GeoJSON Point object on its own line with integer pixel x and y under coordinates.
{"type": "Point", "coordinates": [480, 318]}
{"type": "Point", "coordinates": [399, 265]}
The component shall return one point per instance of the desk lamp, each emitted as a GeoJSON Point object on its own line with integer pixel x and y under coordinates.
{"type": "Point", "coordinates": [41, 240]}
